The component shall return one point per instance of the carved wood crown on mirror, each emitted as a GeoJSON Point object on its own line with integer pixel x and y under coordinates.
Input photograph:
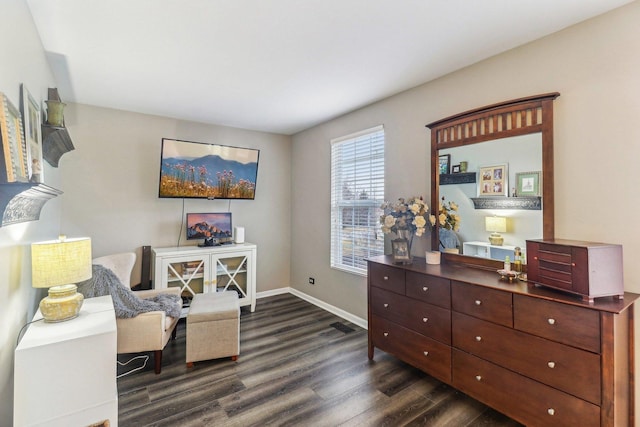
{"type": "Point", "coordinates": [522, 116]}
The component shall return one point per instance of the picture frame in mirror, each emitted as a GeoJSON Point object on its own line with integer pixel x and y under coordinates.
{"type": "Point", "coordinates": [444, 162]}
{"type": "Point", "coordinates": [528, 184]}
{"type": "Point", "coordinates": [493, 180]}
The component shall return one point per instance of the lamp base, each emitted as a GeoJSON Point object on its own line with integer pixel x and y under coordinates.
{"type": "Point", "coordinates": [63, 303]}
{"type": "Point", "coordinates": [496, 239]}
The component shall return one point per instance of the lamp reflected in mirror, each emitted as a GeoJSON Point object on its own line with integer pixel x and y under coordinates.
{"type": "Point", "coordinates": [496, 225]}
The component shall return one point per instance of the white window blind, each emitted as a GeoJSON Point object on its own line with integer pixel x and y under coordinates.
{"type": "Point", "coordinates": [357, 191]}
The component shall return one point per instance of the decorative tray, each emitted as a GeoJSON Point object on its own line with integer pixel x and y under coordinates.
{"type": "Point", "coordinates": [508, 274]}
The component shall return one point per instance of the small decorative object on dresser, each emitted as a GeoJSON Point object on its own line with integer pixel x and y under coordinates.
{"type": "Point", "coordinates": [432, 257]}
{"type": "Point", "coordinates": [585, 268]}
{"type": "Point", "coordinates": [401, 248]}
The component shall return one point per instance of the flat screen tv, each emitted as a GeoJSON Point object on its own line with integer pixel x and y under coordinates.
{"type": "Point", "coordinates": [213, 228]}
{"type": "Point", "coordinates": [200, 170]}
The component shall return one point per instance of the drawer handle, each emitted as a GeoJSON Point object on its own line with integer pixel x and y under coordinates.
{"type": "Point", "coordinates": [425, 288]}
{"type": "Point", "coordinates": [551, 411]}
{"type": "Point", "coordinates": [535, 257]}
{"type": "Point", "coordinates": [478, 378]}
{"type": "Point", "coordinates": [386, 334]}
{"type": "Point", "coordinates": [386, 305]}
{"type": "Point", "coordinates": [426, 353]}
{"type": "Point", "coordinates": [425, 319]}
{"type": "Point", "coordinates": [478, 338]}
{"type": "Point", "coordinates": [551, 321]}
{"type": "Point", "coordinates": [551, 364]}
{"type": "Point", "coordinates": [386, 277]}
{"type": "Point", "coordinates": [478, 302]}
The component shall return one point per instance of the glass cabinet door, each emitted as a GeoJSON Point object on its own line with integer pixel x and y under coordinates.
{"type": "Point", "coordinates": [189, 274]}
{"type": "Point", "coordinates": [231, 273]}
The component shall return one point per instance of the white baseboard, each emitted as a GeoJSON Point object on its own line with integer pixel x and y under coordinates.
{"type": "Point", "coordinates": [272, 292]}
{"type": "Point", "coordinates": [318, 303]}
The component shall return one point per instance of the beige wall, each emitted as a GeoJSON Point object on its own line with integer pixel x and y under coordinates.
{"type": "Point", "coordinates": [110, 179]}
{"type": "Point", "coordinates": [23, 61]}
{"type": "Point", "coordinates": [593, 65]}
{"type": "Point", "coordinates": [111, 187]}
{"type": "Point", "coordinates": [596, 68]}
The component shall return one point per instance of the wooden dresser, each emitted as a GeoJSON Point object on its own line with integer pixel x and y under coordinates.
{"type": "Point", "coordinates": [540, 356]}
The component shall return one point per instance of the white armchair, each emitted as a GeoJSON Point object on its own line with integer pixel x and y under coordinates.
{"type": "Point", "coordinates": [147, 331]}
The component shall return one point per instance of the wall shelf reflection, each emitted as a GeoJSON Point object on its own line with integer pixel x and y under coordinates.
{"type": "Point", "coordinates": [524, 203]}
{"type": "Point", "coordinates": [458, 178]}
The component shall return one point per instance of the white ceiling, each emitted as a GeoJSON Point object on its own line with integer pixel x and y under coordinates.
{"type": "Point", "coordinates": [277, 65]}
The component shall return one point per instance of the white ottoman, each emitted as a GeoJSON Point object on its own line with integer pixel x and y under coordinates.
{"type": "Point", "coordinates": [213, 327]}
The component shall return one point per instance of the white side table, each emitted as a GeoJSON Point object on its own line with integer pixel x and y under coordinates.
{"type": "Point", "coordinates": [486, 250]}
{"type": "Point", "coordinates": [65, 373]}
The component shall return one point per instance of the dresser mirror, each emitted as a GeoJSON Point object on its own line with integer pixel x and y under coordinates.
{"type": "Point", "coordinates": [516, 134]}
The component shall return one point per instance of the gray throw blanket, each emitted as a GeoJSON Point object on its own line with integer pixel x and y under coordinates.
{"type": "Point", "coordinates": [126, 303]}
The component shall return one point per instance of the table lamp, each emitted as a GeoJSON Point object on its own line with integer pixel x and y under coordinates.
{"type": "Point", "coordinates": [497, 225]}
{"type": "Point", "coordinates": [58, 265]}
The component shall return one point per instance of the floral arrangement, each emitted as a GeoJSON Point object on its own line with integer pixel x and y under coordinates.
{"type": "Point", "coordinates": [447, 216]}
{"type": "Point", "coordinates": [410, 215]}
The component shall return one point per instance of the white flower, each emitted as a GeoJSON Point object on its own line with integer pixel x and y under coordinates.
{"type": "Point", "coordinates": [419, 231]}
{"type": "Point", "coordinates": [419, 221]}
{"type": "Point", "coordinates": [389, 221]}
{"type": "Point", "coordinates": [415, 208]}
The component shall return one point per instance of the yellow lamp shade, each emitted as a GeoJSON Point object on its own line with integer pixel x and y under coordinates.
{"type": "Point", "coordinates": [496, 224]}
{"type": "Point", "coordinates": [60, 262]}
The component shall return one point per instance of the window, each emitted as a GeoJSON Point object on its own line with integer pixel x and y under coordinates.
{"type": "Point", "coordinates": [357, 191]}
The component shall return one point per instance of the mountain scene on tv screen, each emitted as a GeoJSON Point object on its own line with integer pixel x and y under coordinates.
{"type": "Point", "coordinates": [204, 229]}
{"type": "Point", "coordinates": [208, 176]}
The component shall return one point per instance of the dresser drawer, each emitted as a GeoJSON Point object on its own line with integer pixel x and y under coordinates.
{"type": "Point", "coordinates": [571, 325]}
{"type": "Point", "coordinates": [422, 352]}
{"type": "Point", "coordinates": [426, 319]}
{"type": "Point", "coordinates": [389, 305]}
{"type": "Point", "coordinates": [431, 289]}
{"type": "Point", "coordinates": [519, 397]}
{"type": "Point", "coordinates": [388, 278]}
{"type": "Point", "coordinates": [566, 368]}
{"type": "Point", "coordinates": [488, 304]}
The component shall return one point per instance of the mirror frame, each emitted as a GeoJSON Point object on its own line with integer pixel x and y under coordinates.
{"type": "Point", "coordinates": [522, 116]}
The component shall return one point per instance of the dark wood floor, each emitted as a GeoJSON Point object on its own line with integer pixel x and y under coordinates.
{"type": "Point", "coordinates": [299, 366]}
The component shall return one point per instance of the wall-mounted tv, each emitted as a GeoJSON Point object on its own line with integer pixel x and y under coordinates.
{"type": "Point", "coordinates": [207, 171]}
{"type": "Point", "coordinates": [214, 228]}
